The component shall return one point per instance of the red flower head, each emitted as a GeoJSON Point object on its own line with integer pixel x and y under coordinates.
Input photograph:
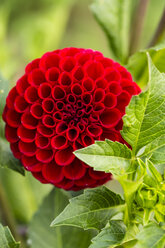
{"type": "Point", "coordinates": [65, 100]}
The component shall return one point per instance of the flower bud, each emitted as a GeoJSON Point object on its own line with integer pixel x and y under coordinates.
{"type": "Point", "coordinates": [146, 197]}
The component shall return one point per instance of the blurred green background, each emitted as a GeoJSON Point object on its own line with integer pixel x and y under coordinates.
{"type": "Point", "coordinates": [29, 28]}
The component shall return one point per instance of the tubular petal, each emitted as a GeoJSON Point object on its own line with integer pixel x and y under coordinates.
{"type": "Point", "coordinates": [53, 172]}
{"type": "Point", "coordinates": [36, 110]}
{"type": "Point", "coordinates": [67, 64]}
{"type": "Point", "coordinates": [45, 131]}
{"type": "Point", "coordinates": [44, 90]}
{"type": "Point", "coordinates": [72, 134]}
{"type": "Point", "coordinates": [44, 156]}
{"type": "Point", "coordinates": [15, 149]}
{"type": "Point", "coordinates": [32, 65]}
{"type": "Point", "coordinates": [36, 77]}
{"type": "Point", "coordinates": [94, 130]}
{"type": "Point", "coordinates": [61, 127]}
{"type": "Point", "coordinates": [95, 70]}
{"type": "Point", "coordinates": [20, 104]}
{"type": "Point", "coordinates": [110, 100]}
{"type": "Point", "coordinates": [28, 121]}
{"type": "Point", "coordinates": [109, 118]}
{"type": "Point", "coordinates": [59, 142]}
{"type": "Point", "coordinates": [48, 121]}
{"type": "Point", "coordinates": [22, 84]}
{"type": "Point", "coordinates": [13, 118]}
{"type": "Point", "coordinates": [11, 134]}
{"type": "Point", "coordinates": [28, 149]}
{"type": "Point", "coordinates": [25, 134]}
{"type": "Point", "coordinates": [42, 141]}
{"type": "Point", "coordinates": [58, 93]}
{"type": "Point", "coordinates": [11, 97]}
{"type": "Point", "coordinates": [88, 84]}
{"type": "Point", "coordinates": [115, 88]}
{"type": "Point", "coordinates": [52, 74]}
{"type": "Point", "coordinates": [74, 170]}
{"type": "Point", "coordinates": [49, 60]}
{"type": "Point", "coordinates": [64, 157]}
{"type": "Point", "coordinates": [31, 94]}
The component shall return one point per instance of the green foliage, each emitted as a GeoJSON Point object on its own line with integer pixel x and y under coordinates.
{"type": "Point", "coordinates": [30, 29]}
{"type": "Point", "coordinates": [151, 236]}
{"type": "Point", "coordinates": [140, 72]}
{"type": "Point", "coordinates": [7, 160]}
{"type": "Point", "coordinates": [6, 238]}
{"type": "Point", "coordinates": [115, 18]}
{"type": "Point", "coordinates": [41, 235]}
{"type": "Point", "coordinates": [107, 156]}
{"type": "Point", "coordinates": [25, 192]}
{"type": "Point", "coordinates": [91, 210]}
{"type": "Point", "coordinates": [146, 197]}
{"type": "Point", "coordinates": [155, 151]}
{"type": "Point", "coordinates": [4, 89]}
{"type": "Point", "coordinates": [154, 171]}
{"type": "Point", "coordinates": [111, 235]}
{"type": "Point", "coordinates": [145, 116]}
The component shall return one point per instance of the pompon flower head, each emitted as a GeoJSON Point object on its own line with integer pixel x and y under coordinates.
{"type": "Point", "coordinates": [65, 100]}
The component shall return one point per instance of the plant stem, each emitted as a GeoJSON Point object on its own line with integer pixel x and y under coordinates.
{"type": "Point", "coordinates": [8, 216]}
{"type": "Point", "coordinates": [159, 31]}
{"type": "Point", "coordinates": [147, 213]}
{"type": "Point", "coordinates": [138, 25]}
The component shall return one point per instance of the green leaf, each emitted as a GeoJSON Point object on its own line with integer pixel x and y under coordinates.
{"type": "Point", "coordinates": [145, 116]}
{"type": "Point", "coordinates": [129, 240]}
{"type": "Point", "coordinates": [6, 238]}
{"type": "Point", "coordinates": [110, 235]}
{"type": "Point", "coordinates": [140, 72]}
{"type": "Point", "coordinates": [93, 209]}
{"type": "Point", "coordinates": [41, 235]}
{"type": "Point", "coordinates": [154, 171]}
{"type": "Point", "coordinates": [129, 188]}
{"type": "Point", "coordinates": [114, 16]}
{"type": "Point", "coordinates": [127, 244]}
{"type": "Point", "coordinates": [107, 156]}
{"type": "Point", "coordinates": [2, 128]}
{"type": "Point", "coordinates": [155, 151]}
{"type": "Point", "coordinates": [7, 160]}
{"type": "Point", "coordinates": [4, 89]}
{"type": "Point", "coordinates": [151, 236]}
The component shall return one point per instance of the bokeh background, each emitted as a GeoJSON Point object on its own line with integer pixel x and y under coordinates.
{"type": "Point", "coordinates": [29, 28]}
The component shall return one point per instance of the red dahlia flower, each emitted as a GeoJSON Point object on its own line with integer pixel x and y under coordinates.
{"type": "Point", "coordinates": [65, 100]}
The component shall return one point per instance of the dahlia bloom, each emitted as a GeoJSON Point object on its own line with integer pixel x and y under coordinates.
{"type": "Point", "coordinates": [65, 100]}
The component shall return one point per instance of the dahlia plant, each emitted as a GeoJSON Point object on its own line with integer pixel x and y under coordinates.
{"type": "Point", "coordinates": [77, 120]}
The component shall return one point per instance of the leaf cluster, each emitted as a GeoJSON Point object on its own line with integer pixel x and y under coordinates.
{"type": "Point", "coordinates": [129, 220]}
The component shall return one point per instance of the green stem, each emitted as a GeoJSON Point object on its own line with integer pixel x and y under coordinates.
{"type": "Point", "coordinates": [159, 31]}
{"type": "Point", "coordinates": [8, 216]}
{"type": "Point", "coordinates": [147, 213]}
{"type": "Point", "coordinates": [138, 24]}
{"type": "Point", "coordinates": [127, 213]}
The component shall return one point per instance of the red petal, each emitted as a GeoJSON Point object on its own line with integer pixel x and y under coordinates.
{"type": "Point", "coordinates": [64, 157]}
{"type": "Point", "coordinates": [109, 118]}
{"type": "Point", "coordinates": [75, 170]}
{"type": "Point", "coordinates": [52, 172]}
